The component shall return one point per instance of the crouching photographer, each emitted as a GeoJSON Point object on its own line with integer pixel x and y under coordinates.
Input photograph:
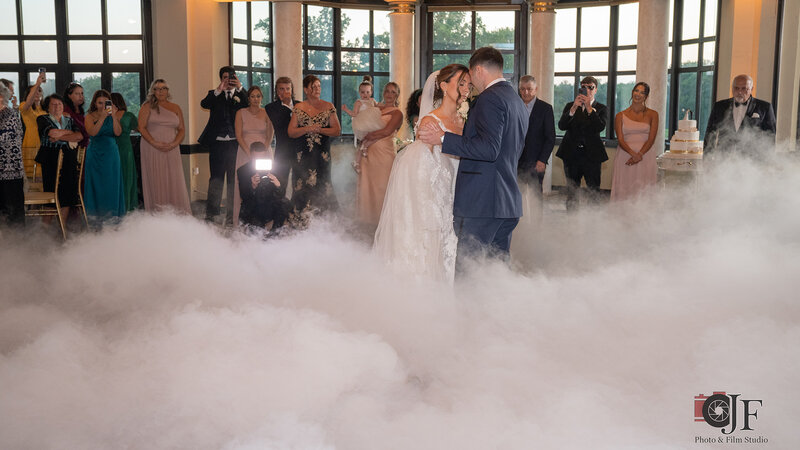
{"type": "Point", "coordinates": [263, 206]}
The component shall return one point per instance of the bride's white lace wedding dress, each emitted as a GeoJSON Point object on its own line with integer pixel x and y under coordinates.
{"type": "Point", "coordinates": [415, 235]}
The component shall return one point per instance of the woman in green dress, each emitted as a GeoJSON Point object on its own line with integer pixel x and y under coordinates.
{"type": "Point", "coordinates": [129, 122]}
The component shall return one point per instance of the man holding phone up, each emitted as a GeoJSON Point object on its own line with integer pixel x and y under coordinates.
{"type": "Point", "coordinates": [582, 148]}
{"type": "Point", "coordinates": [219, 136]}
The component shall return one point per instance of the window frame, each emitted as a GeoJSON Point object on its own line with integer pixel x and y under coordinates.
{"type": "Point", "coordinates": [611, 74]}
{"type": "Point", "coordinates": [250, 43]}
{"type": "Point", "coordinates": [520, 51]}
{"type": "Point", "coordinates": [337, 49]}
{"type": "Point", "coordinates": [63, 69]}
{"type": "Point", "coordinates": [673, 76]}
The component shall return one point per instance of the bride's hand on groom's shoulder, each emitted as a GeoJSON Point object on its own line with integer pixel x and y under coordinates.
{"type": "Point", "coordinates": [431, 134]}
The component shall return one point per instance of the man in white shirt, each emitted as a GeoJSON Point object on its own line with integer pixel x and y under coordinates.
{"type": "Point", "coordinates": [741, 125]}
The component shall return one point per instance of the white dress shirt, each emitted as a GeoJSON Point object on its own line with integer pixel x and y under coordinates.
{"type": "Point", "coordinates": [739, 113]}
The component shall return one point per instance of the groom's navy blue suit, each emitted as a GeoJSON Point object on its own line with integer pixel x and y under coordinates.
{"type": "Point", "coordinates": [488, 203]}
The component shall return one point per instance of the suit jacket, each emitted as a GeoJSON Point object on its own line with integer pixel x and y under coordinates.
{"type": "Point", "coordinates": [540, 138]}
{"type": "Point", "coordinates": [222, 115]}
{"type": "Point", "coordinates": [280, 115]}
{"type": "Point", "coordinates": [721, 134]}
{"type": "Point", "coordinates": [489, 148]}
{"type": "Point", "coordinates": [583, 129]}
{"type": "Point", "coordinates": [262, 204]}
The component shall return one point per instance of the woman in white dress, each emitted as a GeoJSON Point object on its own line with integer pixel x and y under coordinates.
{"type": "Point", "coordinates": [415, 235]}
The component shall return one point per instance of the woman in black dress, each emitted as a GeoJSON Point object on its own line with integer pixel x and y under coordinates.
{"type": "Point", "coordinates": [59, 133]}
{"type": "Point", "coordinates": [315, 120]}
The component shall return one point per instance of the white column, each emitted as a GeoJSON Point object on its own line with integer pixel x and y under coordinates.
{"type": "Point", "coordinates": [541, 60]}
{"type": "Point", "coordinates": [541, 47]}
{"type": "Point", "coordinates": [401, 53]}
{"type": "Point", "coordinates": [287, 23]}
{"type": "Point", "coordinates": [789, 78]}
{"type": "Point", "coordinates": [651, 59]}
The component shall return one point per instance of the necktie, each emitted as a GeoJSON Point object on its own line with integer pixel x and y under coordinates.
{"type": "Point", "coordinates": [228, 95]}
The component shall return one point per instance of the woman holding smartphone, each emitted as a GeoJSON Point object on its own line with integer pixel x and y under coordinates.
{"type": "Point", "coordinates": [103, 192]}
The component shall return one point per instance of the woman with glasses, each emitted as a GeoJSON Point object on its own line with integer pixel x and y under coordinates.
{"type": "Point", "coordinates": [582, 148]}
{"type": "Point", "coordinates": [161, 125]}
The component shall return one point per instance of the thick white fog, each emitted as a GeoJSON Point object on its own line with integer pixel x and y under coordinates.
{"type": "Point", "coordinates": [165, 334]}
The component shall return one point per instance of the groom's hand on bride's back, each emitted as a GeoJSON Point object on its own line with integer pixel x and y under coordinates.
{"type": "Point", "coordinates": [430, 133]}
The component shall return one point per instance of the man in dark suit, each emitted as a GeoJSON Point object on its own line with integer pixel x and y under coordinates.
{"type": "Point", "coordinates": [582, 148]}
{"type": "Point", "coordinates": [741, 125]}
{"type": "Point", "coordinates": [541, 136]}
{"type": "Point", "coordinates": [219, 136]}
{"type": "Point", "coordinates": [488, 203]}
{"type": "Point", "coordinates": [280, 113]}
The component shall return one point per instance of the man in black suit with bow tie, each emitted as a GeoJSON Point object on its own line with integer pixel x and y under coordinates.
{"type": "Point", "coordinates": [582, 148]}
{"type": "Point", "coordinates": [219, 136]}
{"type": "Point", "coordinates": [280, 113]}
{"type": "Point", "coordinates": [540, 138]}
{"type": "Point", "coordinates": [742, 125]}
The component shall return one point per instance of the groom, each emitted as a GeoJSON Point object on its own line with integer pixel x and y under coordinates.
{"type": "Point", "coordinates": [488, 204]}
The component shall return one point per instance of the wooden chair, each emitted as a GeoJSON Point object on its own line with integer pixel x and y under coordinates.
{"type": "Point", "coordinates": [82, 206]}
{"type": "Point", "coordinates": [46, 203]}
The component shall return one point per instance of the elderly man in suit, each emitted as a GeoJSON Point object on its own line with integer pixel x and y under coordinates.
{"type": "Point", "coordinates": [540, 138]}
{"type": "Point", "coordinates": [219, 136]}
{"type": "Point", "coordinates": [742, 124]}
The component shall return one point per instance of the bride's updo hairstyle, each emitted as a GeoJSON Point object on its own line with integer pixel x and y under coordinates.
{"type": "Point", "coordinates": [446, 73]}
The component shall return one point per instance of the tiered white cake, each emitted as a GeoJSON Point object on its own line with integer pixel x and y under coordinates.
{"type": "Point", "coordinates": [685, 143]}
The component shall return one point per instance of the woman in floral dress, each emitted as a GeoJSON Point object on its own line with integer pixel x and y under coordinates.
{"type": "Point", "coordinates": [316, 121]}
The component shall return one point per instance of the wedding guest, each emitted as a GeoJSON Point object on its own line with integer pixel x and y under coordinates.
{"type": "Point", "coordinates": [103, 195]}
{"type": "Point", "coordinates": [12, 197]}
{"type": "Point", "coordinates": [636, 128]}
{"type": "Point", "coordinates": [315, 121]}
{"type": "Point", "coordinates": [162, 128]}
{"type": "Point", "coordinates": [30, 109]}
{"type": "Point", "coordinates": [219, 136]}
{"type": "Point", "coordinates": [10, 86]}
{"type": "Point", "coordinates": [58, 133]}
{"type": "Point", "coordinates": [540, 138]}
{"type": "Point", "coordinates": [252, 125]}
{"type": "Point", "coordinates": [742, 124]}
{"type": "Point", "coordinates": [73, 107]}
{"type": "Point", "coordinates": [263, 203]}
{"type": "Point", "coordinates": [412, 108]}
{"type": "Point", "coordinates": [582, 148]}
{"type": "Point", "coordinates": [286, 147]}
{"type": "Point", "coordinates": [377, 165]}
{"type": "Point", "coordinates": [128, 122]}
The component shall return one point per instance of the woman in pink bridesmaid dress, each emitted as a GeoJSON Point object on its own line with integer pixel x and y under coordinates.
{"type": "Point", "coordinates": [161, 125]}
{"type": "Point", "coordinates": [635, 165]}
{"type": "Point", "coordinates": [252, 125]}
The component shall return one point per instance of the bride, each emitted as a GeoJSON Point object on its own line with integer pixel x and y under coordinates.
{"type": "Point", "coordinates": [415, 234]}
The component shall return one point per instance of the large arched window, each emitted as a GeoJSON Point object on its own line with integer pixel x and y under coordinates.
{"type": "Point", "coordinates": [98, 43]}
{"type": "Point", "coordinates": [340, 46]}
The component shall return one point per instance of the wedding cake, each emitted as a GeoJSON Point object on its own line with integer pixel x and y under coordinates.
{"type": "Point", "coordinates": [685, 143]}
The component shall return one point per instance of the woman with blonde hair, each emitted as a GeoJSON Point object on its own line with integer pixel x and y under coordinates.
{"type": "Point", "coordinates": [162, 129]}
